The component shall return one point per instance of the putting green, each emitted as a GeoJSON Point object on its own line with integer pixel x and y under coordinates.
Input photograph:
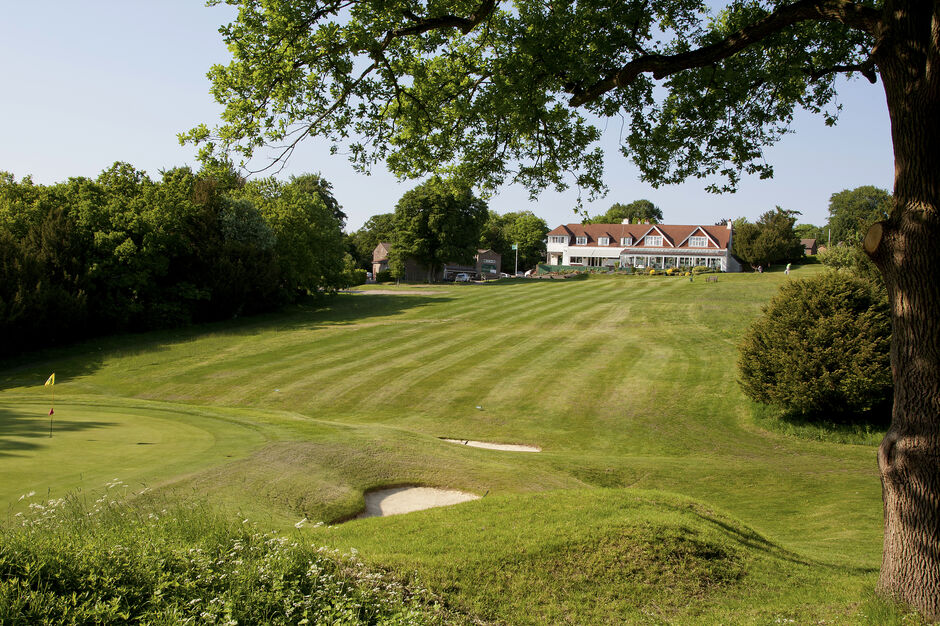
{"type": "Point", "coordinates": [95, 440]}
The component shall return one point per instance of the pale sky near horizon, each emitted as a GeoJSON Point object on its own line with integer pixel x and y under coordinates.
{"type": "Point", "coordinates": [88, 84]}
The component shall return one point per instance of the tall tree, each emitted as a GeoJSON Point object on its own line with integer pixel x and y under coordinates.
{"type": "Point", "coordinates": [522, 229]}
{"type": "Point", "coordinates": [315, 184]}
{"type": "Point", "coordinates": [491, 93]}
{"type": "Point", "coordinates": [811, 231]}
{"type": "Point", "coordinates": [527, 231]}
{"type": "Point", "coordinates": [770, 240]}
{"type": "Point", "coordinates": [377, 228]}
{"type": "Point", "coordinates": [309, 242]}
{"type": "Point", "coordinates": [437, 222]}
{"type": "Point", "coordinates": [853, 211]}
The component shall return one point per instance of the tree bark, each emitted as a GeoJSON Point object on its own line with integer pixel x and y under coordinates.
{"type": "Point", "coordinates": [906, 248]}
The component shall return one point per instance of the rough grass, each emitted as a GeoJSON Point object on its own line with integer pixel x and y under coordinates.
{"type": "Point", "coordinates": [626, 383]}
{"type": "Point", "coordinates": [104, 562]}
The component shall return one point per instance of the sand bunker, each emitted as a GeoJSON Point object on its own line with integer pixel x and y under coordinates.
{"type": "Point", "coordinates": [512, 447]}
{"type": "Point", "coordinates": [407, 499]}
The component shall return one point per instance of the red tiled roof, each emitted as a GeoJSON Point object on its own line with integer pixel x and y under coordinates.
{"type": "Point", "coordinates": [673, 234]}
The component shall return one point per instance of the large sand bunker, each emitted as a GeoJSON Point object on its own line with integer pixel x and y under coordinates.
{"type": "Point", "coordinates": [512, 447]}
{"type": "Point", "coordinates": [407, 499]}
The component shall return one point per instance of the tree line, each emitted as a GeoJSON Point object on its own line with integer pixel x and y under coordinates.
{"type": "Point", "coordinates": [125, 252]}
{"type": "Point", "coordinates": [775, 236]}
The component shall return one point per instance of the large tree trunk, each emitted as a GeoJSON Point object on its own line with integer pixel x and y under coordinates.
{"type": "Point", "coordinates": [906, 248]}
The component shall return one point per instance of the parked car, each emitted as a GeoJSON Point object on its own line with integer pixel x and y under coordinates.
{"type": "Point", "coordinates": [462, 277]}
{"type": "Point", "coordinates": [503, 275]}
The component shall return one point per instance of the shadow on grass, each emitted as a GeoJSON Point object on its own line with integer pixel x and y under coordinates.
{"type": "Point", "coordinates": [85, 357]}
{"type": "Point", "coordinates": [866, 429]}
{"type": "Point", "coordinates": [24, 433]}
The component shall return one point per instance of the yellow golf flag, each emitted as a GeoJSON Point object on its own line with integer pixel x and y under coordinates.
{"type": "Point", "coordinates": [50, 380]}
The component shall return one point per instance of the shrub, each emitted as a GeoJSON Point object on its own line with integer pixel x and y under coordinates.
{"type": "Point", "coordinates": [383, 277]}
{"type": "Point", "coordinates": [357, 277]}
{"type": "Point", "coordinates": [850, 258]}
{"type": "Point", "coordinates": [820, 349]}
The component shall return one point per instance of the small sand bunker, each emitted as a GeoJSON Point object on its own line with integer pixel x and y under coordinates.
{"type": "Point", "coordinates": [384, 502]}
{"type": "Point", "coordinates": [512, 447]}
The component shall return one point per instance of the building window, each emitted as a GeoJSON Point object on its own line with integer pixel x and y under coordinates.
{"type": "Point", "coordinates": [603, 241]}
{"type": "Point", "coordinates": [576, 260]}
{"type": "Point", "coordinates": [653, 240]}
{"type": "Point", "coordinates": [581, 241]}
{"type": "Point", "coordinates": [626, 241]}
{"type": "Point", "coordinates": [558, 239]}
{"type": "Point", "coordinates": [698, 242]}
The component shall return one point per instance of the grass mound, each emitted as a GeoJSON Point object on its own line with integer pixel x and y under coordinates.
{"type": "Point", "coordinates": [633, 554]}
{"type": "Point", "coordinates": [110, 562]}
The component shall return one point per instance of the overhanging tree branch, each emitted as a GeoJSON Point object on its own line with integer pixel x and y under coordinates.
{"type": "Point", "coordinates": [425, 24]}
{"type": "Point", "coordinates": [866, 69]}
{"type": "Point", "coordinates": [660, 66]}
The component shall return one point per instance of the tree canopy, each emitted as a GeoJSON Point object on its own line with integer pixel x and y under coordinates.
{"type": "Point", "coordinates": [490, 93]}
{"type": "Point", "coordinates": [852, 211]}
{"type": "Point", "coordinates": [437, 222]}
{"type": "Point", "coordinates": [770, 240]}
{"type": "Point", "coordinates": [523, 229]}
{"type": "Point", "coordinates": [636, 212]}
{"type": "Point", "coordinates": [811, 231]}
{"type": "Point", "coordinates": [309, 241]}
{"type": "Point", "coordinates": [127, 252]}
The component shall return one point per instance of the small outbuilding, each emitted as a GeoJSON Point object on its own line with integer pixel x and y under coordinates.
{"type": "Point", "coordinates": [486, 264]}
{"type": "Point", "coordinates": [380, 258]}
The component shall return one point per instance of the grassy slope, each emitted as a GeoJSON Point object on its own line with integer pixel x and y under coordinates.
{"type": "Point", "coordinates": [625, 383]}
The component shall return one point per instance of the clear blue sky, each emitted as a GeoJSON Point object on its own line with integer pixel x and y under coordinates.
{"type": "Point", "coordinates": [90, 83]}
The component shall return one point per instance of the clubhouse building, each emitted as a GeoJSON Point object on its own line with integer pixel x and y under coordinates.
{"type": "Point", "coordinates": [652, 246]}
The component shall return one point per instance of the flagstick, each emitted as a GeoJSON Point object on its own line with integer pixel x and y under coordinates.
{"type": "Point", "coordinates": [51, 411]}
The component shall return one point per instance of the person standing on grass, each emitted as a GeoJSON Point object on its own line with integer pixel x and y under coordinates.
{"type": "Point", "coordinates": [787, 271]}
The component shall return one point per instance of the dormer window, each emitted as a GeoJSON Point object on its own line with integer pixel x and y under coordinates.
{"type": "Point", "coordinates": [580, 241]}
{"type": "Point", "coordinates": [603, 241]}
{"type": "Point", "coordinates": [698, 242]}
{"type": "Point", "coordinates": [626, 241]}
{"type": "Point", "coordinates": [653, 240]}
{"type": "Point", "coordinates": [558, 239]}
